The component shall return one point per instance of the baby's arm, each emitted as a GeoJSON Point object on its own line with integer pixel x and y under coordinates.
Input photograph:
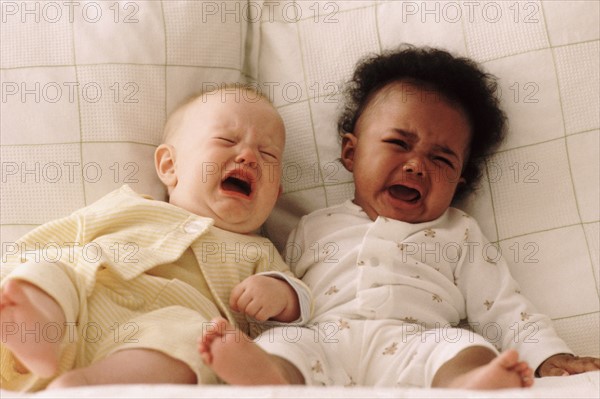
{"type": "Point", "coordinates": [264, 297]}
{"type": "Point", "coordinates": [565, 364]}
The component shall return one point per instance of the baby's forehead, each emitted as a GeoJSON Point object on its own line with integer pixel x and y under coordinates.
{"type": "Point", "coordinates": [422, 91]}
{"type": "Point", "coordinates": [234, 113]}
{"type": "Point", "coordinates": [406, 89]}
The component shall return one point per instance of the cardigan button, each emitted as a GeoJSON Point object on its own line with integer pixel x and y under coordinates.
{"type": "Point", "coordinates": [193, 227]}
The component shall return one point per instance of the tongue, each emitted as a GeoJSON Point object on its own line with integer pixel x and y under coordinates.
{"type": "Point", "coordinates": [404, 193]}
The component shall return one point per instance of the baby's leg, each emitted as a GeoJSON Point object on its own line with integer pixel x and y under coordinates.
{"type": "Point", "coordinates": [478, 368]}
{"type": "Point", "coordinates": [26, 311]}
{"type": "Point", "coordinates": [237, 360]}
{"type": "Point", "coordinates": [129, 366]}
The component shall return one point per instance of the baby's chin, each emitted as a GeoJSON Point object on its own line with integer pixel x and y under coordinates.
{"type": "Point", "coordinates": [240, 227]}
{"type": "Point", "coordinates": [235, 219]}
{"type": "Point", "coordinates": [421, 213]}
{"type": "Point", "coordinates": [405, 216]}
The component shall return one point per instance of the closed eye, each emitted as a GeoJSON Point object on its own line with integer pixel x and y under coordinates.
{"type": "Point", "coordinates": [225, 139]}
{"type": "Point", "coordinates": [398, 142]}
{"type": "Point", "coordinates": [444, 160]}
{"type": "Point", "coordinates": [269, 155]}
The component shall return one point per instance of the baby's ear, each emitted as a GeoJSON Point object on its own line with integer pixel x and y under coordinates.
{"type": "Point", "coordinates": [164, 162]}
{"type": "Point", "coordinates": [348, 149]}
{"type": "Point", "coordinates": [458, 194]}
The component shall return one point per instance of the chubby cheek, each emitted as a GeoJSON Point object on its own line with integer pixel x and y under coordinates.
{"type": "Point", "coordinates": [366, 186]}
{"type": "Point", "coordinates": [274, 181]}
{"type": "Point", "coordinates": [442, 197]}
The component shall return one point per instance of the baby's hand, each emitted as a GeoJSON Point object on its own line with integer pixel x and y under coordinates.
{"type": "Point", "coordinates": [561, 365]}
{"type": "Point", "coordinates": [264, 297]}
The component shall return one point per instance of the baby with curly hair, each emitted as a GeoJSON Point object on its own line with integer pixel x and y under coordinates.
{"type": "Point", "coordinates": [409, 268]}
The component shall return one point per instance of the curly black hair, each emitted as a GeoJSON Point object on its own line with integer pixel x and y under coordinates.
{"type": "Point", "coordinates": [459, 80]}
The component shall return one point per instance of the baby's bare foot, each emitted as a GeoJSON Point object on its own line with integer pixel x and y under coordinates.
{"type": "Point", "coordinates": [504, 371]}
{"type": "Point", "coordinates": [235, 358]}
{"type": "Point", "coordinates": [27, 311]}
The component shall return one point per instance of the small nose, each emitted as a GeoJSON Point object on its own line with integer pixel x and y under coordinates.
{"type": "Point", "coordinates": [414, 166]}
{"type": "Point", "coordinates": [247, 157]}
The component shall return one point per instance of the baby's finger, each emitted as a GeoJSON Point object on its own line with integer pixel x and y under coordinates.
{"type": "Point", "coordinates": [262, 314]}
{"type": "Point", "coordinates": [234, 298]}
{"type": "Point", "coordinates": [582, 364]}
{"type": "Point", "coordinates": [243, 302]}
{"type": "Point", "coordinates": [253, 309]}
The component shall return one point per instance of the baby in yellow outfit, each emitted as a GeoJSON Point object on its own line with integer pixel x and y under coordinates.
{"type": "Point", "coordinates": [132, 282]}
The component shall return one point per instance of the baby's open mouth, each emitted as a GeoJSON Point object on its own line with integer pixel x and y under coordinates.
{"type": "Point", "coordinates": [404, 193]}
{"type": "Point", "coordinates": [237, 185]}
